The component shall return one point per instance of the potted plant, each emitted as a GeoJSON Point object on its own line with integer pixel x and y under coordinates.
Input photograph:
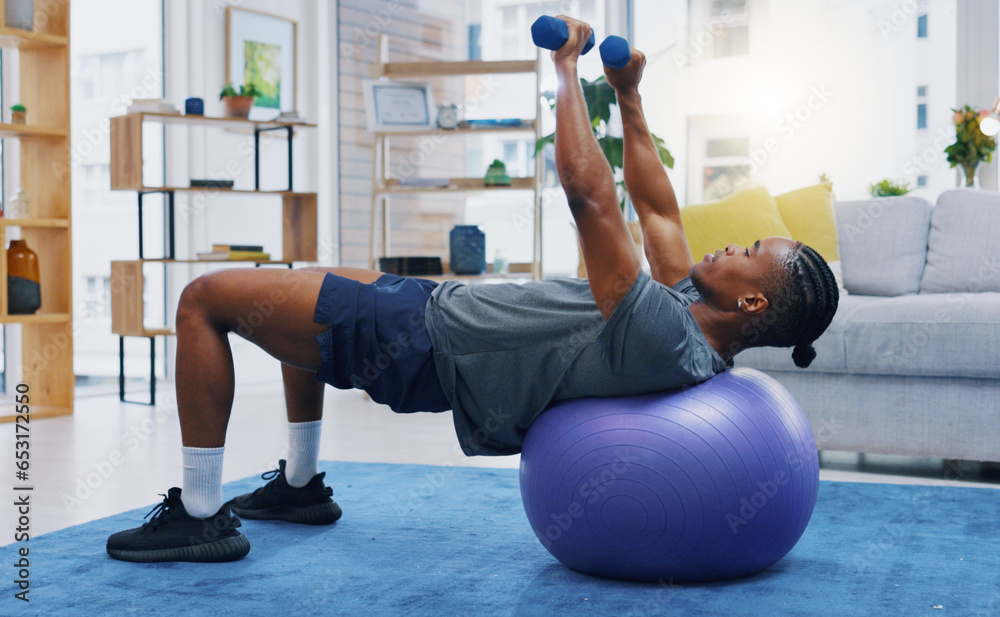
{"type": "Point", "coordinates": [971, 144]}
{"type": "Point", "coordinates": [496, 174]}
{"type": "Point", "coordinates": [888, 188]}
{"type": "Point", "coordinates": [600, 96]}
{"type": "Point", "coordinates": [18, 114]}
{"type": "Point", "coordinates": [239, 102]}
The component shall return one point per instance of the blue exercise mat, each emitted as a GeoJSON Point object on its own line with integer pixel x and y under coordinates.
{"type": "Point", "coordinates": [444, 541]}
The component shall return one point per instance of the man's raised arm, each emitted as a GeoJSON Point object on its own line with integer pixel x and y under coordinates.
{"type": "Point", "coordinates": [608, 250]}
{"type": "Point", "coordinates": [647, 182]}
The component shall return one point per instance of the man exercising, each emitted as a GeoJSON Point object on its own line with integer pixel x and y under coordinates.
{"type": "Point", "coordinates": [496, 355]}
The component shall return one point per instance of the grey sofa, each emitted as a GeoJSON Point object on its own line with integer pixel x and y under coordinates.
{"type": "Point", "coordinates": [911, 363]}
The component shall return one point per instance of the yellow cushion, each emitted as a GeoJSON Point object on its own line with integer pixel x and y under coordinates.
{"type": "Point", "coordinates": [808, 213]}
{"type": "Point", "coordinates": [741, 218]}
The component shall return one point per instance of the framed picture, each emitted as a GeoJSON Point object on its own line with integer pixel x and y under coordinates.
{"type": "Point", "coordinates": [398, 106]}
{"type": "Point", "coordinates": [261, 49]}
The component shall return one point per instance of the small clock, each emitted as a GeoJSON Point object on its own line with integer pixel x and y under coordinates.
{"type": "Point", "coordinates": [447, 116]}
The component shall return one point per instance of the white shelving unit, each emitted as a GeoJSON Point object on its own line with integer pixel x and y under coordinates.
{"type": "Point", "coordinates": [384, 186]}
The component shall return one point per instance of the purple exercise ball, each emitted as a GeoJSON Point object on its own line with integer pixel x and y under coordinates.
{"type": "Point", "coordinates": [708, 483]}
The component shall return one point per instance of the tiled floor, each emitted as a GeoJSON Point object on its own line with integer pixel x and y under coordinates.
{"type": "Point", "coordinates": [109, 457]}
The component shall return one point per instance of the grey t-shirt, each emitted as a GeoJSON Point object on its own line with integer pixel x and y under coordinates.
{"type": "Point", "coordinates": [505, 352]}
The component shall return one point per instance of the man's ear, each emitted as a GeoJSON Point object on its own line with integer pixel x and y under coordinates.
{"type": "Point", "coordinates": [754, 304]}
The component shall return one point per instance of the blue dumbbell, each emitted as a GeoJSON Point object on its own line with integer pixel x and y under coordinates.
{"type": "Point", "coordinates": [552, 33]}
{"type": "Point", "coordinates": [615, 52]}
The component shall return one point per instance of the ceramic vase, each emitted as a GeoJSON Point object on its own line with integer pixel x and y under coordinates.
{"type": "Point", "coordinates": [970, 173]}
{"type": "Point", "coordinates": [19, 14]}
{"type": "Point", "coordinates": [468, 249]}
{"type": "Point", "coordinates": [24, 292]}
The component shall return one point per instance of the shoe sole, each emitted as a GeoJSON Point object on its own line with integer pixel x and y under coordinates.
{"type": "Point", "coordinates": [226, 549]}
{"type": "Point", "coordinates": [319, 514]}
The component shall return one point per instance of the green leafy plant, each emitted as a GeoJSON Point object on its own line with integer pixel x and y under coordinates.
{"type": "Point", "coordinates": [496, 174]}
{"type": "Point", "coordinates": [245, 90]}
{"type": "Point", "coordinates": [971, 145]}
{"type": "Point", "coordinates": [18, 107]}
{"type": "Point", "coordinates": [600, 96]}
{"type": "Point", "coordinates": [888, 188]}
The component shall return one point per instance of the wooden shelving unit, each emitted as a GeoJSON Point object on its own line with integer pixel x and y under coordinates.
{"type": "Point", "coordinates": [44, 144]}
{"type": "Point", "coordinates": [298, 221]}
{"type": "Point", "coordinates": [383, 186]}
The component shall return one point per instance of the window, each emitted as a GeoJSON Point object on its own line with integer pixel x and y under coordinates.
{"type": "Point", "coordinates": [517, 158]}
{"type": "Point", "coordinates": [921, 181]}
{"type": "Point", "coordinates": [510, 35]}
{"type": "Point", "coordinates": [922, 26]}
{"type": "Point", "coordinates": [921, 107]}
{"type": "Point", "coordinates": [97, 299]}
{"type": "Point", "coordinates": [510, 155]}
{"type": "Point", "coordinates": [94, 185]}
{"type": "Point", "coordinates": [108, 75]}
{"type": "Point", "coordinates": [515, 25]}
{"type": "Point", "coordinates": [728, 22]}
{"type": "Point", "coordinates": [111, 65]}
{"type": "Point", "coordinates": [95, 188]}
{"type": "Point", "coordinates": [725, 168]}
{"type": "Point", "coordinates": [86, 74]}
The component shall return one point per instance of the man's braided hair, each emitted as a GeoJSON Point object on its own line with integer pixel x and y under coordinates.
{"type": "Point", "coordinates": [806, 296]}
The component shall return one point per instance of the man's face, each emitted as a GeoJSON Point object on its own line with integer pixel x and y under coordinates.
{"type": "Point", "coordinates": [729, 274]}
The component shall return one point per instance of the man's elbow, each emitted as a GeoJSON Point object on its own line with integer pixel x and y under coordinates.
{"type": "Point", "coordinates": [580, 174]}
{"type": "Point", "coordinates": [592, 204]}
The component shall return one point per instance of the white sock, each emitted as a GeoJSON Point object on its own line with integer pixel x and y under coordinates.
{"type": "Point", "coordinates": [303, 452]}
{"type": "Point", "coordinates": [202, 489]}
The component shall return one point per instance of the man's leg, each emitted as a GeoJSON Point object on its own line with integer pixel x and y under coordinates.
{"type": "Point", "coordinates": [303, 394]}
{"type": "Point", "coordinates": [271, 308]}
{"type": "Point", "coordinates": [274, 310]}
{"type": "Point", "coordinates": [304, 406]}
{"type": "Point", "coordinates": [295, 491]}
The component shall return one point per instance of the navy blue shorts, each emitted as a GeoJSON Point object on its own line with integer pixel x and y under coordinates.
{"type": "Point", "coordinates": [377, 341]}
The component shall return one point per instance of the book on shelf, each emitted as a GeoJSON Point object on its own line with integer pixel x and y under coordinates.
{"type": "Point", "coordinates": [235, 256]}
{"type": "Point", "coordinates": [488, 123]}
{"type": "Point", "coordinates": [211, 184]}
{"type": "Point", "coordinates": [411, 266]}
{"type": "Point", "coordinates": [158, 106]}
{"type": "Point", "coordinates": [424, 182]}
{"type": "Point", "coordinates": [290, 117]}
{"type": "Point", "coordinates": [222, 248]}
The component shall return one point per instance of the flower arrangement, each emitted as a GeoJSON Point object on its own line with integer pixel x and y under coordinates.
{"type": "Point", "coordinates": [971, 145]}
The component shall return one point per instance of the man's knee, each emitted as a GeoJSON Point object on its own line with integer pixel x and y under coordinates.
{"type": "Point", "coordinates": [195, 297]}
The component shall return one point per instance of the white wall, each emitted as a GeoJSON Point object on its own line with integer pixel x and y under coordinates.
{"type": "Point", "coordinates": [830, 87]}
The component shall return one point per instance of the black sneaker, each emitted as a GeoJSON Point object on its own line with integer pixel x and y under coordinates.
{"type": "Point", "coordinates": [174, 535]}
{"type": "Point", "coordinates": [278, 501]}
